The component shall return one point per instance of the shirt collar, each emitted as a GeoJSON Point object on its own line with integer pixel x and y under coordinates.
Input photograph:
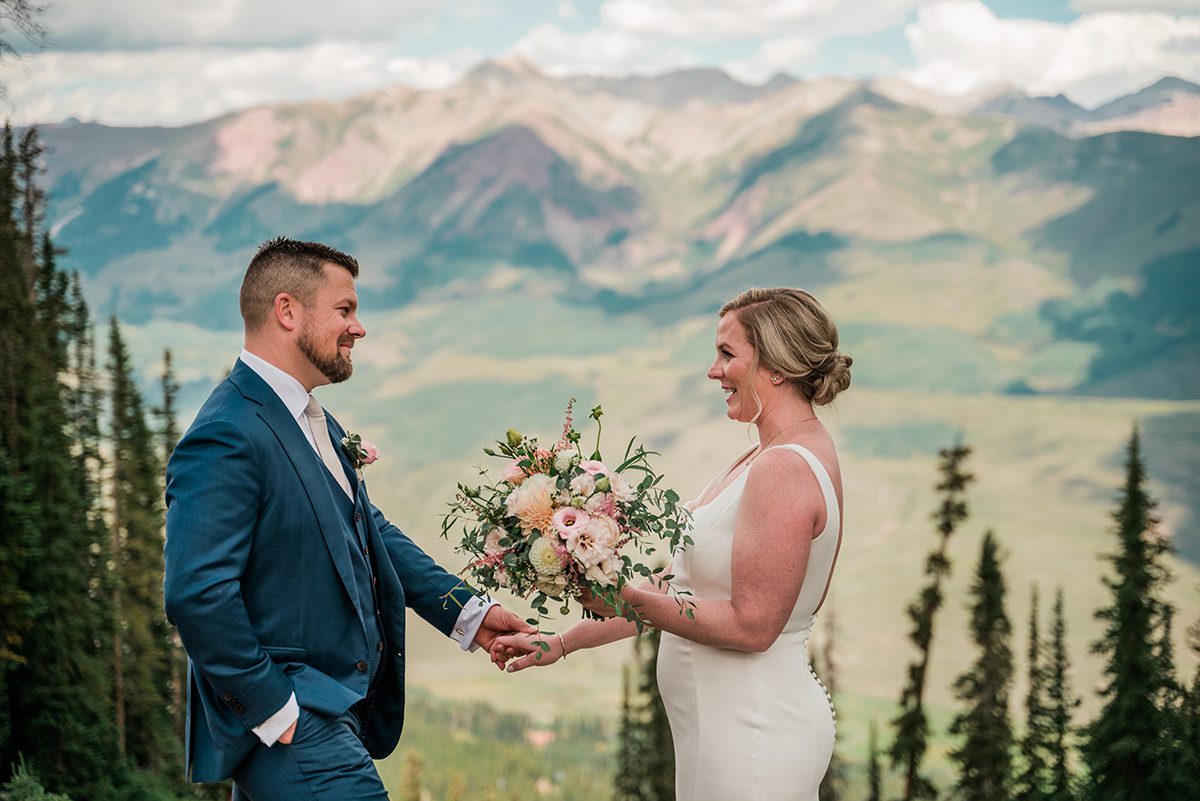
{"type": "Point", "coordinates": [290, 391]}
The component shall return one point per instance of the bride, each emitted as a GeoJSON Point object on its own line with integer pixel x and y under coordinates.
{"type": "Point", "coordinates": [748, 717]}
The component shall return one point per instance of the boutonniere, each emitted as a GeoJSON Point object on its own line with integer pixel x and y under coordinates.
{"type": "Point", "coordinates": [361, 452]}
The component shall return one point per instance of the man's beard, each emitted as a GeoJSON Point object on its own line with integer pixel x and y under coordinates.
{"type": "Point", "coordinates": [337, 368]}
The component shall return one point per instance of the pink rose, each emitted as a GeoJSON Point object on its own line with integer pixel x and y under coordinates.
{"type": "Point", "coordinates": [592, 467]}
{"type": "Point", "coordinates": [568, 518]}
{"type": "Point", "coordinates": [371, 453]}
{"type": "Point", "coordinates": [514, 473]}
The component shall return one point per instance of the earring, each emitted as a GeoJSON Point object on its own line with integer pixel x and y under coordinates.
{"type": "Point", "coordinates": [776, 379]}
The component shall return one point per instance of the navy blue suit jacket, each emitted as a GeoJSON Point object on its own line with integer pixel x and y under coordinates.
{"type": "Point", "coordinates": [260, 585]}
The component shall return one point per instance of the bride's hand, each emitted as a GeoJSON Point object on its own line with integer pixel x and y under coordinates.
{"type": "Point", "coordinates": [529, 650]}
{"type": "Point", "coordinates": [595, 604]}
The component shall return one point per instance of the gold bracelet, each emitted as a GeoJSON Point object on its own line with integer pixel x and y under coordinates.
{"type": "Point", "coordinates": [563, 643]}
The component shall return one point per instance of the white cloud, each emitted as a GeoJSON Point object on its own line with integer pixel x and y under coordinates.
{"type": "Point", "coordinates": [961, 46]}
{"type": "Point", "coordinates": [1166, 6]}
{"type": "Point", "coordinates": [566, 10]}
{"type": "Point", "coordinates": [132, 24]}
{"type": "Point", "coordinates": [715, 20]}
{"type": "Point", "coordinates": [173, 86]}
{"type": "Point", "coordinates": [597, 52]}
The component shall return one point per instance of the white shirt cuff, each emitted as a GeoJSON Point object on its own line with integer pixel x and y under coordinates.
{"type": "Point", "coordinates": [469, 621]}
{"type": "Point", "coordinates": [271, 729]}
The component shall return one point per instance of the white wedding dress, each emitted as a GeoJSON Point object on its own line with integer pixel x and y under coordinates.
{"type": "Point", "coordinates": [748, 726]}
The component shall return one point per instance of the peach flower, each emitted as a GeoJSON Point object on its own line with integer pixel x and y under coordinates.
{"type": "Point", "coordinates": [532, 503]}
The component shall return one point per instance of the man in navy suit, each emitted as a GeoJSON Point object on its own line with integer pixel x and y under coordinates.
{"type": "Point", "coordinates": [287, 585]}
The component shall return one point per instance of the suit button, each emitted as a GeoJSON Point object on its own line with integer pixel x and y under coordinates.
{"type": "Point", "coordinates": [379, 647]}
{"type": "Point", "coordinates": [358, 517]}
{"type": "Point", "coordinates": [374, 581]}
{"type": "Point", "coordinates": [228, 696]}
{"type": "Point", "coordinates": [361, 667]}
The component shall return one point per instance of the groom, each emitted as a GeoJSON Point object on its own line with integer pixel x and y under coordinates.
{"type": "Point", "coordinates": [287, 585]}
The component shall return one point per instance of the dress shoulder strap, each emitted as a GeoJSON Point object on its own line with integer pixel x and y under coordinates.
{"type": "Point", "coordinates": [833, 517]}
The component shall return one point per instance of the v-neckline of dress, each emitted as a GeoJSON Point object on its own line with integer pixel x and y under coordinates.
{"type": "Point", "coordinates": [725, 475]}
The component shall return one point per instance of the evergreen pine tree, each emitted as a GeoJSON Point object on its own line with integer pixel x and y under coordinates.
{"type": "Point", "coordinates": [985, 756]}
{"type": "Point", "coordinates": [661, 765]}
{"type": "Point", "coordinates": [1126, 743]}
{"type": "Point", "coordinates": [145, 657]}
{"type": "Point", "coordinates": [1061, 703]}
{"type": "Point", "coordinates": [912, 724]}
{"type": "Point", "coordinates": [874, 775]}
{"type": "Point", "coordinates": [825, 664]}
{"type": "Point", "coordinates": [168, 433]}
{"type": "Point", "coordinates": [627, 782]}
{"type": "Point", "coordinates": [1032, 782]}
{"type": "Point", "coordinates": [1191, 712]}
{"type": "Point", "coordinates": [645, 752]}
{"type": "Point", "coordinates": [56, 697]}
{"type": "Point", "coordinates": [1172, 701]}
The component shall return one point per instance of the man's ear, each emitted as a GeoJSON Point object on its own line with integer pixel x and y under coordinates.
{"type": "Point", "coordinates": [286, 311]}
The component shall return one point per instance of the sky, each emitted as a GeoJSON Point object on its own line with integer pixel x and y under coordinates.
{"type": "Point", "coordinates": [150, 62]}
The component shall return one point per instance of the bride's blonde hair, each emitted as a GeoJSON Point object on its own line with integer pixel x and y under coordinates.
{"type": "Point", "coordinates": [794, 336]}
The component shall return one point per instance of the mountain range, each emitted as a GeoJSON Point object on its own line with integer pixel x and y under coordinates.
{"type": "Point", "coordinates": [661, 195]}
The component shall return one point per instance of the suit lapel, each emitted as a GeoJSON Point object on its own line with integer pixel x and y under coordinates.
{"type": "Point", "coordinates": [307, 464]}
{"type": "Point", "coordinates": [335, 436]}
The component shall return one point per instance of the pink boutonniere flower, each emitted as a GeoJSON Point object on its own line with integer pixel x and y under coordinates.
{"type": "Point", "coordinates": [361, 452]}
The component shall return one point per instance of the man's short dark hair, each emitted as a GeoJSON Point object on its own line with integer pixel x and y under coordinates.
{"type": "Point", "coordinates": [286, 265]}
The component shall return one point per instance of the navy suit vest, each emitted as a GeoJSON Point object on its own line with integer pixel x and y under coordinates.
{"type": "Point", "coordinates": [362, 560]}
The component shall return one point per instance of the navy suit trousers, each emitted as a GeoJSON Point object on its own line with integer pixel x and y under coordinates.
{"type": "Point", "coordinates": [326, 761]}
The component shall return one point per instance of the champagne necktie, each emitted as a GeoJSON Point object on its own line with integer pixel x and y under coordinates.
{"type": "Point", "coordinates": [320, 432]}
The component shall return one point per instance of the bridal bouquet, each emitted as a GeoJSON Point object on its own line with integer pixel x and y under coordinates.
{"type": "Point", "coordinates": [557, 524]}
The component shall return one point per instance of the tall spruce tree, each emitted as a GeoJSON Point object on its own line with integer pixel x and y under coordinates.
{"type": "Point", "coordinates": [1033, 781]}
{"type": "Point", "coordinates": [627, 781]}
{"type": "Point", "coordinates": [1128, 744]}
{"type": "Point", "coordinates": [912, 724]}
{"type": "Point", "coordinates": [145, 658]}
{"type": "Point", "coordinates": [1190, 711]}
{"type": "Point", "coordinates": [1061, 703]}
{"type": "Point", "coordinates": [985, 757]}
{"type": "Point", "coordinates": [55, 697]}
{"type": "Point", "coordinates": [825, 663]}
{"type": "Point", "coordinates": [874, 774]}
{"type": "Point", "coordinates": [645, 752]}
{"type": "Point", "coordinates": [168, 434]}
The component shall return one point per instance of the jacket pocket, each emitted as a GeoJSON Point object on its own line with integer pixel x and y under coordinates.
{"type": "Point", "coordinates": [286, 653]}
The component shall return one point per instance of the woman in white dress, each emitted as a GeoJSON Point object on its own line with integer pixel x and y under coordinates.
{"type": "Point", "coordinates": [748, 717]}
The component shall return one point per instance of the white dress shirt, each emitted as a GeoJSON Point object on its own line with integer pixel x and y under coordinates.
{"type": "Point", "coordinates": [295, 398]}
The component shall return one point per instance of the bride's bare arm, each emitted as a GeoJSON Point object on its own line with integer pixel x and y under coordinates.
{"type": "Point", "coordinates": [585, 634]}
{"type": "Point", "coordinates": [780, 508]}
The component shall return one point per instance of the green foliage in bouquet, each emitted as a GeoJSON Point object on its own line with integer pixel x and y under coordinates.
{"type": "Point", "coordinates": [558, 526]}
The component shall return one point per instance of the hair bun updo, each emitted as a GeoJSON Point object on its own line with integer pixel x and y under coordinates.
{"type": "Point", "coordinates": [794, 336]}
{"type": "Point", "coordinates": [828, 383]}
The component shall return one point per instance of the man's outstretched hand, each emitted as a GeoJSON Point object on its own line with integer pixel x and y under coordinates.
{"type": "Point", "coordinates": [496, 623]}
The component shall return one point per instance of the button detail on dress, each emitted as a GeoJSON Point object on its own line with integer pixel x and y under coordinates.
{"type": "Point", "coordinates": [361, 666]}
